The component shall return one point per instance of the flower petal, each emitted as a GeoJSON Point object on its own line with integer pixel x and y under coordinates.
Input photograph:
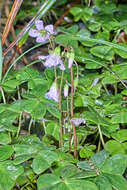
{"type": "Point", "coordinates": [39, 25]}
{"type": "Point", "coordinates": [62, 67]}
{"type": "Point", "coordinates": [33, 33]}
{"type": "Point", "coordinates": [42, 57]}
{"type": "Point", "coordinates": [50, 29]}
{"type": "Point", "coordinates": [40, 39]}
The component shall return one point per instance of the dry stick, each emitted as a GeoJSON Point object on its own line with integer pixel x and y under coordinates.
{"type": "Point", "coordinates": [72, 114]}
{"type": "Point", "coordinates": [15, 7]}
{"type": "Point", "coordinates": [14, 36]}
{"type": "Point", "coordinates": [59, 21]}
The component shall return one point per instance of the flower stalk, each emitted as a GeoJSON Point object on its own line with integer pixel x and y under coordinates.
{"type": "Point", "coordinates": [72, 114]}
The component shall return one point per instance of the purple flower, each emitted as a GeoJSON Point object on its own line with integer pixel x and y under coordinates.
{"type": "Point", "coordinates": [70, 63]}
{"type": "Point", "coordinates": [53, 93]}
{"type": "Point", "coordinates": [41, 33]}
{"type": "Point", "coordinates": [78, 121]}
{"type": "Point", "coordinates": [52, 60]}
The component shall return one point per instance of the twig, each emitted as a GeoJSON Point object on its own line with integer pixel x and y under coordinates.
{"type": "Point", "coordinates": [59, 21]}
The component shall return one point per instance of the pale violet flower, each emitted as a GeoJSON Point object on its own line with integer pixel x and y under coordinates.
{"type": "Point", "coordinates": [66, 88]}
{"type": "Point", "coordinates": [70, 56]}
{"type": "Point", "coordinates": [70, 63]}
{"type": "Point", "coordinates": [52, 60]}
{"type": "Point", "coordinates": [41, 33]}
{"type": "Point", "coordinates": [78, 121]}
{"type": "Point", "coordinates": [53, 93]}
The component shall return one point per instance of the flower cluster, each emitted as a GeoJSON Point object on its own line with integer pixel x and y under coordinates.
{"type": "Point", "coordinates": [52, 60]}
{"type": "Point", "coordinates": [41, 33]}
{"type": "Point", "coordinates": [78, 121]}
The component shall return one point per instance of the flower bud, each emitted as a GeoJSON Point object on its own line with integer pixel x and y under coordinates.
{"type": "Point", "coordinates": [66, 88]}
{"type": "Point", "coordinates": [70, 56]}
{"type": "Point", "coordinates": [57, 51]}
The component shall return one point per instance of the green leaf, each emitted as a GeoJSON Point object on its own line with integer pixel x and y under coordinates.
{"type": "Point", "coordinates": [5, 138]}
{"type": "Point", "coordinates": [85, 174]}
{"type": "Point", "coordinates": [20, 159]}
{"type": "Point", "coordinates": [104, 52]}
{"type": "Point", "coordinates": [120, 117]}
{"type": "Point", "coordinates": [94, 116]}
{"type": "Point", "coordinates": [115, 164]}
{"type": "Point", "coordinates": [7, 117]}
{"type": "Point", "coordinates": [26, 74]}
{"type": "Point", "coordinates": [68, 171]}
{"type": "Point", "coordinates": [10, 85]}
{"type": "Point", "coordinates": [103, 183]}
{"type": "Point", "coordinates": [86, 152]}
{"type": "Point", "coordinates": [53, 110]}
{"type": "Point", "coordinates": [94, 26]}
{"type": "Point", "coordinates": [85, 165]}
{"type": "Point", "coordinates": [24, 149]}
{"type": "Point", "coordinates": [99, 158]}
{"type": "Point", "coordinates": [121, 135]}
{"type": "Point", "coordinates": [40, 89]}
{"type": "Point", "coordinates": [9, 174]}
{"type": "Point", "coordinates": [39, 110]}
{"type": "Point", "coordinates": [43, 161]}
{"type": "Point", "coordinates": [35, 107]}
{"type": "Point", "coordinates": [121, 53]}
{"type": "Point", "coordinates": [33, 84]}
{"type": "Point", "coordinates": [9, 128]}
{"type": "Point", "coordinates": [114, 147]}
{"type": "Point", "coordinates": [76, 11]}
{"type": "Point", "coordinates": [66, 41]}
{"type": "Point", "coordinates": [53, 129]}
{"type": "Point", "coordinates": [5, 152]}
{"type": "Point", "coordinates": [52, 181]}
{"type": "Point", "coordinates": [117, 181]}
{"type": "Point", "coordinates": [55, 183]}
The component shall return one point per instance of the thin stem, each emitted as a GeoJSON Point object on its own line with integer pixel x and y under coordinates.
{"type": "Point", "coordinates": [3, 95]}
{"type": "Point", "coordinates": [43, 122]}
{"type": "Point", "coordinates": [19, 97]}
{"type": "Point", "coordinates": [19, 127]}
{"type": "Point", "coordinates": [60, 109]}
{"type": "Point", "coordinates": [101, 136]}
{"type": "Point", "coordinates": [72, 113]}
{"type": "Point", "coordinates": [30, 124]}
{"type": "Point", "coordinates": [18, 58]}
{"type": "Point", "coordinates": [70, 130]}
{"type": "Point", "coordinates": [115, 88]}
{"type": "Point", "coordinates": [106, 89]}
{"type": "Point", "coordinates": [99, 145]}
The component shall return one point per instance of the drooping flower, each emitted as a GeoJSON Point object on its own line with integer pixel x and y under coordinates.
{"type": "Point", "coordinates": [41, 33]}
{"type": "Point", "coordinates": [66, 88]}
{"type": "Point", "coordinates": [53, 93]}
{"type": "Point", "coordinates": [78, 121]}
{"type": "Point", "coordinates": [70, 56]}
{"type": "Point", "coordinates": [53, 60]}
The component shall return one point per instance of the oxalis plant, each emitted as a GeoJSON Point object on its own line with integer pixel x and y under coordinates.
{"type": "Point", "coordinates": [65, 127]}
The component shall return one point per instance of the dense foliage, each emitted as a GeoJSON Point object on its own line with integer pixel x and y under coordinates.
{"type": "Point", "coordinates": [64, 127]}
